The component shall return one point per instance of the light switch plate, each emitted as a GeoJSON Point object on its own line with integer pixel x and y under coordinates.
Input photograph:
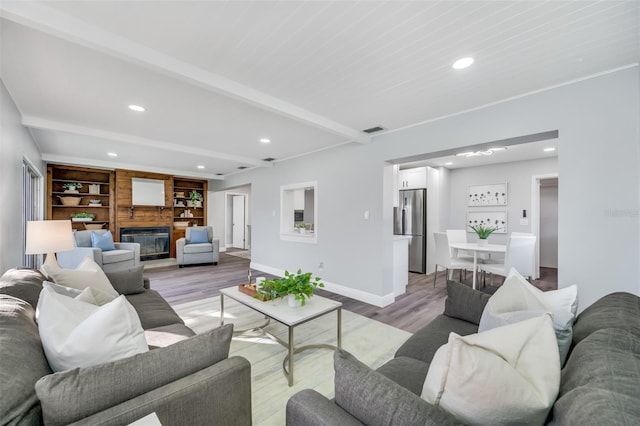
{"type": "Point", "coordinates": [524, 221]}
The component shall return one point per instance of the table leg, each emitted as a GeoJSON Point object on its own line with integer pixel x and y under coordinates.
{"type": "Point", "coordinates": [290, 377]}
{"type": "Point", "coordinates": [340, 328]}
{"type": "Point", "coordinates": [475, 267]}
{"type": "Point", "coordinates": [221, 309]}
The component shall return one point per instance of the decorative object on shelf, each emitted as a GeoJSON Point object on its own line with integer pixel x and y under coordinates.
{"type": "Point", "coordinates": [95, 203]}
{"type": "Point", "coordinates": [93, 226]}
{"type": "Point", "coordinates": [297, 287]}
{"type": "Point", "coordinates": [487, 195]}
{"type": "Point", "coordinates": [178, 194]}
{"type": "Point", "coordinates": [301, 227]}
{"type": "Point", "coordinates": [180, 225]}
{"type": "Point", "coordinates": [71, 187]}
{"type": "Point", "coordinates": [94, 188]}
{"type": "Point", "coordinates": [178, 203]}
{"type": "Point", "coordinates": [82, 217]}
{"type": "Point", "coordinates": [195, 199]}
{"type": "Point", "coordinates": [70, 201]}
{"type": "Point", "coordinates": [496, 219]}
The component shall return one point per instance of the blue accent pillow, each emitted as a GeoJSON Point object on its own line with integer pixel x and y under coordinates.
{"type": "Point", "coordinates": [104, 242]}
{"type": "Point", "coordinates": [198, 236]}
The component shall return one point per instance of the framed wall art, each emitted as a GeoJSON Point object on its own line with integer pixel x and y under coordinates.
{"type": "Point", "coordinates": [492, 218]}
{"type": "Point", "coordinates": [487, 195]}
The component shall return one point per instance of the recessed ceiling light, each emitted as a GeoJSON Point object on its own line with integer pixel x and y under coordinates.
{"type": "Point", "coordinates": [265, 140]}
{"type": "Point", "coordinates": [136, 108]}
{"type": "Point", "coordinates": [448, 163]}
{"type": "Point", "coordinates": [200, 166]}
{"type": "Point", "coordinates": [112, 154]}
{"type": "Point", "coordinates": [549, 149]}
{"type": "Point", "coordinates": [463, 63]}
{"type": "Point", "coordinates": [489, 151]}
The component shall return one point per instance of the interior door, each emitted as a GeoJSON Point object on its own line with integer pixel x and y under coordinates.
{"type": "Point", "coordinates": [238, 225]}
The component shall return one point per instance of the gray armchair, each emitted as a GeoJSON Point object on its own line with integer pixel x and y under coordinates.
{"type": "Point", "coordinates": [126, 255]}
{"type": "Point", "coordinates": [188, 253]}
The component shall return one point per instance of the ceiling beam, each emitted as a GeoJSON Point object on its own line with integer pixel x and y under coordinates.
{"type": "Point", "coordinates": [51, 21]}
{"type": "Point", "coordinates": [40, 123]}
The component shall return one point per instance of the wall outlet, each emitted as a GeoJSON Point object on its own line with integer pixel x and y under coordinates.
{"type": "Point", "coordinates": [524, 221]}
{"type": "Point", "coordinates": [366, 214]}
{"type": "Point", "coordinates": [321, 266]}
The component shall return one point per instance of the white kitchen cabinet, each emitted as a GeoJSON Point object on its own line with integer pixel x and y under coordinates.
{"type": "Point", "coordinates": [298, 199]}
{"type": "Point", "coordinates": [412, 178]}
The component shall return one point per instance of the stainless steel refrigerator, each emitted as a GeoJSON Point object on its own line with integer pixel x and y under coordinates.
{"type": "Point", "coordinates": [410, 219]}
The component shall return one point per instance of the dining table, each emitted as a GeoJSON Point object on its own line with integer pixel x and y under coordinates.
{"type": "Point", "coordinates": [478, 248]}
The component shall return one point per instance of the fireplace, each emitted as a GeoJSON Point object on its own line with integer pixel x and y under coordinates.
{"type": "Point", "coordinates": [153, 240]}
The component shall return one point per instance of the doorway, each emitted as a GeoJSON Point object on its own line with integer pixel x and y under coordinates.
{"type": "Point", "coordinates": [236, 221]}
{"type": "Point", "coordinates": [545, 221]}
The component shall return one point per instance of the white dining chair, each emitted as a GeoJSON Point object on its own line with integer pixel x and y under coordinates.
{"type": "Point", "coordinates": [444, 258]}
{"type": "Point", "coordinates": [458, 236]}
{"type": "Point", "coordinates": [519, 254]}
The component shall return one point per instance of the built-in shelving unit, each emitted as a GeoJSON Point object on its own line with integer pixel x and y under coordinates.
{"type": "Point", "coordinates": [96, 196]}
{"type": "Point", "coordinates": [182, 205]}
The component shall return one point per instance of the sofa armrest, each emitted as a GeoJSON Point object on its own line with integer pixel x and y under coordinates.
{"type": "Point", "coordinates": [180, 243]}
{"type": "Point", "coordinates": [309, 408]}
{"type": "Point", "coordinates": [217, 395]}
{"type": "Point", "coordinates": [216, 250]}
{"type": "Point", "coordinates": [72, 258]}
{"type": "Point", "coordinates": [134, 247]}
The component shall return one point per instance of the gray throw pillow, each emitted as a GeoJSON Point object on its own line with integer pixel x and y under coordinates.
{"type": "Point", "coordinates": [23, 283]}
{"type": "Point", "coordinates": [376, 400]}
{"type": "Point", "coordinates": [71, 395]}
{"type": "Point", "coordinates": [127, 281]}
{"type": "Point", "coordinates": [464, 303]}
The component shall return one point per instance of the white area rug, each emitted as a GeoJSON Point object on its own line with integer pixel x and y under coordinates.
{"type": "Point", "coordinates": [371, 341]}
{"type": "Point", "coordinates": [243, 254]}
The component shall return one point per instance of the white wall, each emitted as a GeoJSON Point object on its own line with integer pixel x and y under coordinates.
{"type": "Point", "coordinates": [518, 176]}
{"type": "Point", "coordinates": [549, 225]}
{"type": "Point", "coordinates": [591, 116]}
{"type": "Point", "coordinates": [15, 145]}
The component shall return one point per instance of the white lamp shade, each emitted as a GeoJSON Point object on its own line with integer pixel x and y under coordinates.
{"type": "Point", "coordinates": [49, 236]}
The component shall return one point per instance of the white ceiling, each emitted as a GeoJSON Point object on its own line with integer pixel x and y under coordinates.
{"type": "Point", "coordinates": [217, 76]}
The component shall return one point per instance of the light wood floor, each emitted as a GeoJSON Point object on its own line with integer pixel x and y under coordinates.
{"type": "Point", "coordinates": [410, 312]}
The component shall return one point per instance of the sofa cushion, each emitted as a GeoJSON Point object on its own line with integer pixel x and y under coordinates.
{"type": "Point", "coordinates": [153, 310]}
{"type": "Point", "coordinates": [80, 334]}
{"type": "Point", "coordinates": [464, 303]}
{"type": "Point", "coordinates": [198, 248]}
{"type": "Point", "coordinates": [426, 341]}
{"type": "Point", "coordinates": [102, 241]}
{"type": "Point", "coordinates": [22, 362]}
{"type": "Point", "coordinates": [24, 284]}
{"type": "Point", "coordinates": [160, 337]}
{"type": "Point", "coordinates": [375, 399]}
{"type": "Point", "coordinates": [516, 366]}
{"type": "Point", "coordinates": [128, 281]}
{"type": "Point", "coordinates": [74, 394]}
{"type": "Point", "coordinates": [87, 274]}
{"type": "Point", "coordinates": [407, 372]}
{"type": "Point", "coordinates": [616, 310]}
{"type": "Point", "coordinates": [197, 236]}
{"type": "Point", "coordinates": [115, 256]}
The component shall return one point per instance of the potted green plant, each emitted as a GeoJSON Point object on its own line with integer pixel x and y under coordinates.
{"type": "Point", "coordinates": [71, 187]}
{"type": "Point", "coordinates": [297, 287]}
{"type": "Point", "coordinates": [301, 227]}
{"type": "Point", "coordinates": [483, 231]}
{"type": "Point", "coordinates": [82, 217]}
{"type": "Point", "coordinates": [195, 199]}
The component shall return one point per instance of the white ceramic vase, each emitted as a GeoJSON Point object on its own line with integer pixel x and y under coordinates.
{"type": "Point", "coordinates": [293, 302]}
{"type": "Point", "coordinates": [482, 242]}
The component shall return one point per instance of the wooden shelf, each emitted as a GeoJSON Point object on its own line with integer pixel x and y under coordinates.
{"type": "Point", "coordinates": [81, 206]}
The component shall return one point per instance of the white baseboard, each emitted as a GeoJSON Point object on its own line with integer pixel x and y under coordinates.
{"type": "Point", "coordinates": [362, 296]}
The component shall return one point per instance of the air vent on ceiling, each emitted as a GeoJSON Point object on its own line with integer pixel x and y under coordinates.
{"type": "Point", "coordinates": [374, 129]}
{"type": "Point", "coordinates": [268, 159]}
{"type": "Point", "coordinates": [242, 167]}
{"type": "Point", "coordinates": [219, 174]}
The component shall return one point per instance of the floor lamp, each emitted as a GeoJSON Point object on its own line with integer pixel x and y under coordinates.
{"type": "Point", "coordinates": [49, 236]}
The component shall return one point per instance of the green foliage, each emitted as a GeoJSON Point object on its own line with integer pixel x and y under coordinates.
{"type": "Point", "coordinates": [84, 215]}
{"type": "Point", "coordinates": [300, 225]}
{"type": "Point", "coordinates": [195, 196]}
{"type": "Point", "coordinates": [72, 185]}
{"type": "Point", "coordinates": [483, 231]}
{"type": "Point", "coordinates": [299, 284]}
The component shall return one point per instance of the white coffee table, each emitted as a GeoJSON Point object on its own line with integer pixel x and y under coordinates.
{"type": "Point", "coordinates": [280, 311]}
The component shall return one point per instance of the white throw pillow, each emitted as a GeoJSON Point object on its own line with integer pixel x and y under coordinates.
{"type": "Point", "coordinates": [75, 333]}
{"type": "Point", "coordinates": [505, 376]}
{"type": "Point", "coordinates": [89, 294]}
{"type": "Point", "coordinates": [517, 299]}
{"type": "Point", "coordinates": [87, 274]}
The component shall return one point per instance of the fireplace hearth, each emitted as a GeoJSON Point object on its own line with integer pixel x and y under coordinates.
{"type": "Point", "coordinates": [153, 240]}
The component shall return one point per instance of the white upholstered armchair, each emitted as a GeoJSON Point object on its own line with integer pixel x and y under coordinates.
{"type": "Point", "coordinates": [198, 246]}
{"type": "Point", "coordinates": [125, 255]}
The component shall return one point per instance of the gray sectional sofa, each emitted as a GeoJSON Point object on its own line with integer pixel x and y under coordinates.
{"type": "Point", "coordinates": [184, 378]}
{"type": "Point", "coordinates": [600, 381]}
